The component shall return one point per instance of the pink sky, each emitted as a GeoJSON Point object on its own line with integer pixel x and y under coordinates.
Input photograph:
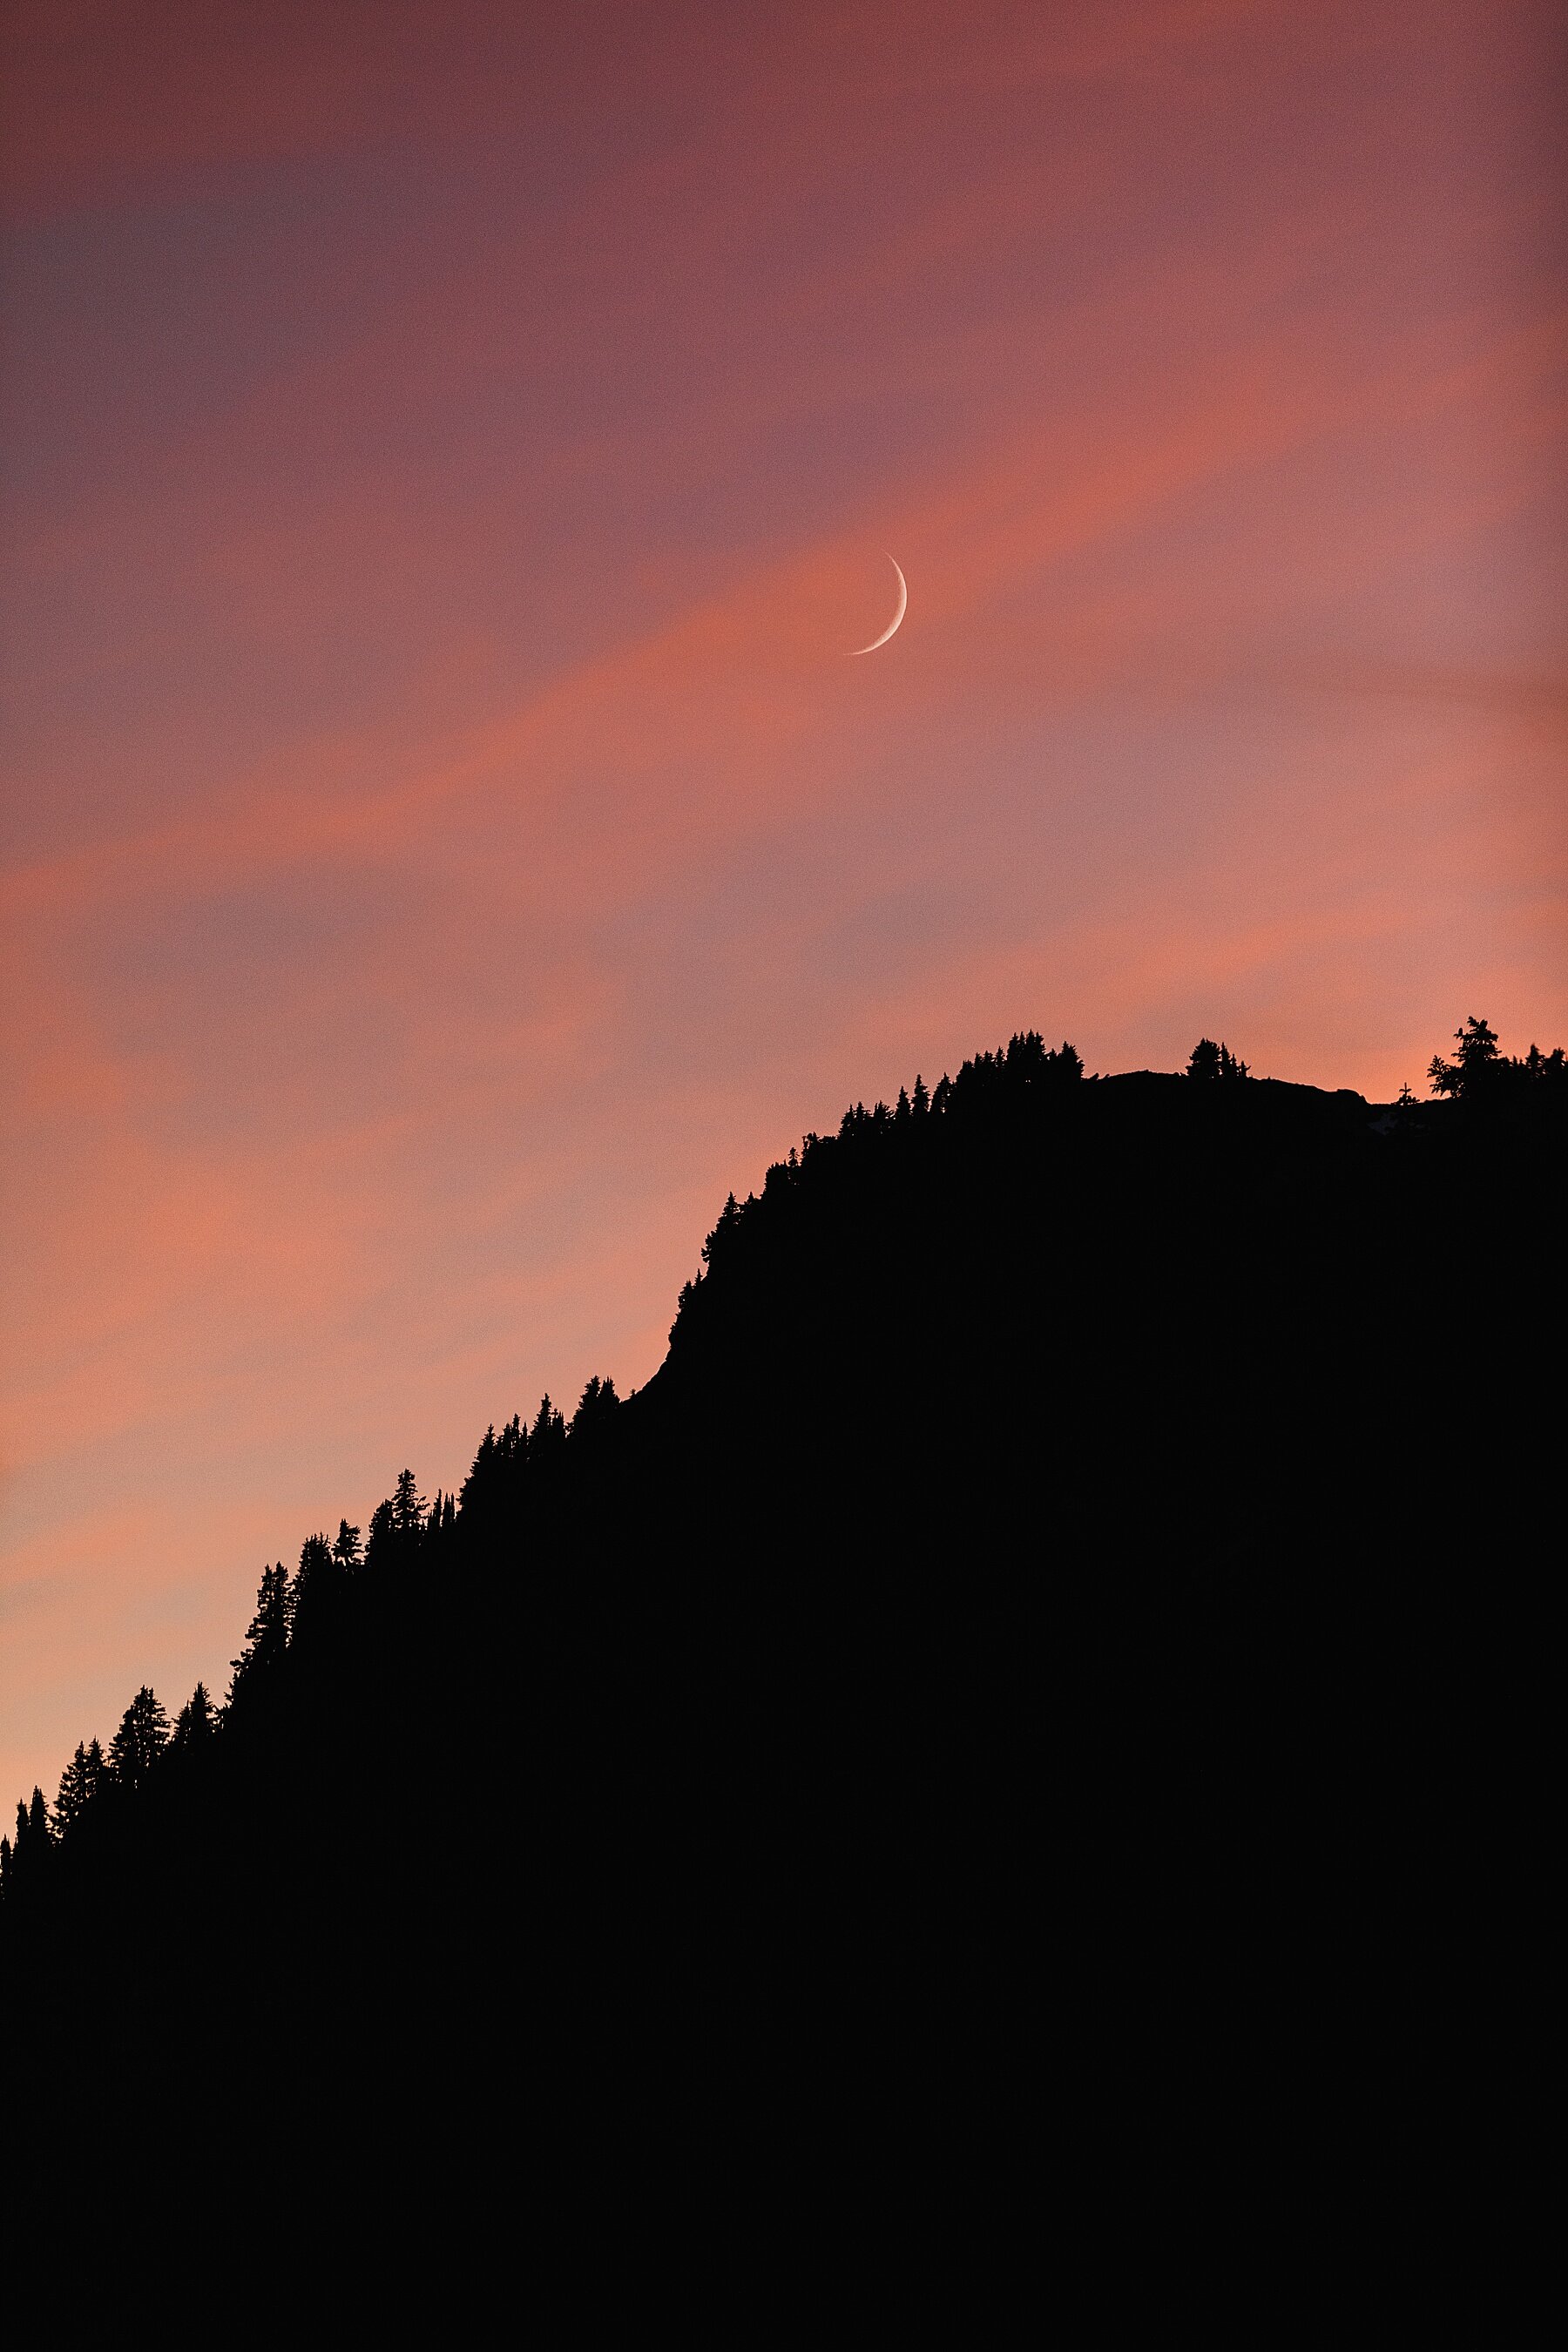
{"type": "Point", "coordinates": [449, 450]}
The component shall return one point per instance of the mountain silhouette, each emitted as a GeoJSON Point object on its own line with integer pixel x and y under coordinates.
{"type": "Point", "coordinates": [1076, 1548]}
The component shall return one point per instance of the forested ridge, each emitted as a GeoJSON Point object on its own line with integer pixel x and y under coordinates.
{"type": "Point", "coordinates": [1050, 1476]}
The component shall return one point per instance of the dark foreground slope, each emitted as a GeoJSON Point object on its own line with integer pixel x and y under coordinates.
{"type": "Point", "coordinates": [1054, 1586]}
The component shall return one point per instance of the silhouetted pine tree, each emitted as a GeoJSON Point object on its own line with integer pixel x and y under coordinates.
{"type": "Point", "coordinates": [383, 1539]}
{"type": "Point", "coordinates": [141, 1740]}
{"type": "Point", "coordinates": [547, 1438]}
{"type": "Point", "coordinates": [590, 1425]}
{"type": "Point", "coordinates": [723, 1233]}
{"type": "Point", "coordinates": [1479, 1072]}
{"type": "Point", "coordinates": [29, 1850]}
{"type": "Point", "coordinates": [19, 1864]}
{"type": "Point", "coordinates": [482, 1470]}
{"type": "Point", "coordinates": [1472, 1066]}
{"type": "Point", "coordinates": [397, 1526]}
{"type": "Point", "coordinates": [195, 1722]}
{"type": "Point", "coordinates": [76, 1789]}
{"type": "Point", "coordinates": [315, 1584]}
{"type": "Point", "coordinates": [408, 1508]}
{"type": "Point", "coordinates": [494, 1480]}
{"type": "Point", "coordinates": [1537, 1065]}
{"type": "Point", "coordinates": [315, 1560]}
{"type": "Point", "coordinates": [1208, 1060]}
{"type": "Point", "coordinates": [266, 1636]}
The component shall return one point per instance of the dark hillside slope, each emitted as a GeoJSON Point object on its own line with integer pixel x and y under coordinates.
{"type": "Point", "coordinates": [1075, 1517]}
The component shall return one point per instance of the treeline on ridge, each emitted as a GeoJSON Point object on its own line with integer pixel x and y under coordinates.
{"type": "Point", "coordinates": [558, 1478]}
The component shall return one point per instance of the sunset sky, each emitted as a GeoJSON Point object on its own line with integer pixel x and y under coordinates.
{"type": "Point", "coordinates": [448, 451]}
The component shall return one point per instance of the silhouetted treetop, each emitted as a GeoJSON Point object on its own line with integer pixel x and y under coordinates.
{"type": "Point", "coordinates": [595, 1410]}
{"type": "Point", "coordinates": [1481, 1071]}
{"type": "Point", "coordinates": [81, 1781]}
{"type": "Point", "coordinates": [266, 1635]}
{"type": "Point", "coordinates": [1022, 1077]}
{"type": "Point", "coordinates": [407, 1506]}
{"type": "Point", "coordinates": [195, 1723]}
{"type": "Point", "coordinates": [141, 1740]}
{"type": "Point", "coordinates": [24, 1859]}
{"type": "Point", "coordinates": [1208, 1060]}
{"type": "Point", "coordinates": [317, 1570]}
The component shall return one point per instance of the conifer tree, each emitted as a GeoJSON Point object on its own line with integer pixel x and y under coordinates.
{"type": "Point", "coordinates": [494, 1472]}
{"type": "Point", "coordinates": [74, 1792]}
{"type": "Point", "coordinates": [1472, 1066]}
{"type": "Point", "coordinates": [408, 1506]}
{"type": "Point", "coordinates": [141, 1740]}
{"type": "Point", "coordinates": [315, 1559]}
{"type": "Point", "coordinates": [595, 1410]}
{"type": "Point", "coordinates": [383, 1538]}
{"type": "Point", "coordinates": [316, 1573]}
{"type": "Point", "coordinates": [195, 1723]}
{"type": "Point", "coordinates": [548, 1433]}
{"type": "Point", "coordinates": [480, 1482]}
{"type": "Point", "coordinates": [34, 1833]}
{"type": "Point", "coordinates": [724, 1233]}
{"type": "Point", "coordinates": [66, 1808]}
{"type": "Point", "coordinates": [266, 1635]}
{"type": "Point", "coordinates": [347, 1549]}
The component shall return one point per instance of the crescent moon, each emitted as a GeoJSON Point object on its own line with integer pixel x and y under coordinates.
{"type": "Point", "coordinates": [892, 625]}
